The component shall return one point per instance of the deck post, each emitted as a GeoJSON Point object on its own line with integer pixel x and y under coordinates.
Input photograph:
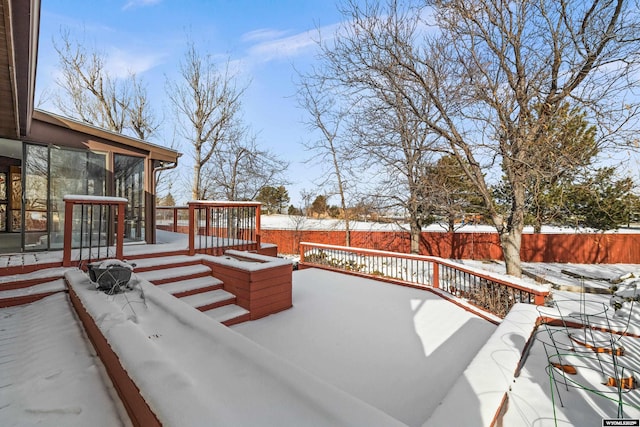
{"type": "Point", "coordinates": [192, 225]}
{"type": "Point", "coordinates": [436, 275]}
{"type": "Point", "coordinates": [120, 232]}
{"type": "Point", "coordinates": [68, 231]}
{"type": "Point", "coordinates": [175, 220]}
{"type": "Point", "coordinates": [258, 213]}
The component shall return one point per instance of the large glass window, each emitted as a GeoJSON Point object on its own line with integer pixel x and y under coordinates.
{"type": "Point", "coordinates": [50, 174]}
{"type": "Point", "coordinates": [129, 180]}
{"type": "Point", "coordinates": [3, 201]}
{"type": "Point", "coordinates": [73, 172]}
{"type": "Point", "coordinates": [36, 194]}
{"type": "Point", "coordinates": [15, 198]}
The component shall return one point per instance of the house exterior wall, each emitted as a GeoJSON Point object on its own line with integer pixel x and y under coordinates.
{"type": "Point", "coordinates": [45, 131]}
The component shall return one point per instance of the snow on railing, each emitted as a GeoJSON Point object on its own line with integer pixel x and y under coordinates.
{"type": "Point", "coordinates": [217, 226]}
{"type": "Point", "coordinates": [92, 224]}
{"type": "Point", "coordinates": [492, 292]}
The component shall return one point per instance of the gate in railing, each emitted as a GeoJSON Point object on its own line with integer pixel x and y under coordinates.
{"type": "Point", "coordinates": [494, 294]}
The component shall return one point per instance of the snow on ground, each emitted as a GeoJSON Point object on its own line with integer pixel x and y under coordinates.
{"type": "Point", "coordinates": [564, 276]}
{"type": "Point", "coordinates": [50, 374]}
{"type": "Point", "coordinates": [397, 348]}
{"type": "Point", "coordinates": [544, 396]}
{"type": "Point", "coordinates": [400, 350]}
{"type": "Point", "coordinates": [193, 371]}
{"type": "Point", "coordinates": [291, 222]}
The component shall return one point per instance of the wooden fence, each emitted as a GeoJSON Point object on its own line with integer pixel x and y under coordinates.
{"type": "Point", "coordinates": [591, 248]}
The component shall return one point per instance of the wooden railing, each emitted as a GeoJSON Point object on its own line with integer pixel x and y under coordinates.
{"type": "Point", "coordinates": [173, 218]}
{"type": "Point", "coordinates": [93, 225]}
{"type": "Point", "coordinates": [494, 294]}
{"type": "Point", "coordinates": [217, 226]}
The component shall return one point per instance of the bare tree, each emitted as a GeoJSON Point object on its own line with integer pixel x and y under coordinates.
{"type": "Point", "coordinates": [89, 93]}
{"type": "Point", "coordinates": [403, 148]}
{"type": "Point", "coordinates": [488, 77]}
{"type": "Point", "coordinates": [207, 101]}
{"type": "Point", "coordinates": [385, 132]}
{"type": "Point", "coordinates": [306, 196]}
{"type": "Point", "coordinates": [239, 169]}
{"type": "Point", "coordinates": [329, 149]}
{"type": "Point", "coordinates": [142, 119]}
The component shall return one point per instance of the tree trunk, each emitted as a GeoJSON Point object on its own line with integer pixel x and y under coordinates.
{"type": "Point", "coordinates": [195, 192]}
{"type": "Point", "coordinates": [416, 232]}
{"type": "Point", "coordinates": [347, 231]}
{"type": "Point", "coordinates": [537, 227]}
{"type": "Point", "coordinates": [511, 243]}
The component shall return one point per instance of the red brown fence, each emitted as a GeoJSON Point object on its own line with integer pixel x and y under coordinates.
{"type": "Point", "coordinates": [592, 248]}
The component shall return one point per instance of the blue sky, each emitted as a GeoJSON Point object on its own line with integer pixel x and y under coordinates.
{"type": "Point", "coordinates": [149, 37]}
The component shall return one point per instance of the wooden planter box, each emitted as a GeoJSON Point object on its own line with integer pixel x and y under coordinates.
{"type": "Point", "coordinates": [261, 284]}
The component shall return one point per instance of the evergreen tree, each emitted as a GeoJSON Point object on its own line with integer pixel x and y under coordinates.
{"type": "Point", "coordinates": [602, 201]}
{"type": "Point", "coordinates": [167, 200]}
{"type": "Point", "coordinates": [319, 205]}
{"type": "Point", "coordinates": [273, 199]}
{"type": "Point", "coordinates": [447, 192]}
{"type": "Point", "coordinates": [568, 148]}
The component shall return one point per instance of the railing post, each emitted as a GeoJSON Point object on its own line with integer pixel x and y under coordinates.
{"type": "Point", "coordinates": [120, 232]}
{"type": "Point", "coordinates": [68, 230]}
{"type": "Point", "coordinates": [208, 232]}
{"type": "Point", "coordinates": [301, 253]}
{"type": "Point", "coordinates": [258, 214]}
{"type": "Point", "coordinates": [175, 220]}
{"type": "Point", "coordinates": [436, 275]}
{"type": "Point", "coordinates": [192, 225]}
{"type": "Point", "coordinates": [539, 299]}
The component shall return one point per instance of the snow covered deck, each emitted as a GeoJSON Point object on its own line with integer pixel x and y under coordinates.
{"type": "Point", "coordinates": [50, 374]}
{"type": "Point", "coordinates": [168, 243]}
{"type": "Point", "coordinates": [351, 351]}
{"type": "Point", "coordinates": [193, 371]}
{"type": "Point", "coordinates": [397, 348]}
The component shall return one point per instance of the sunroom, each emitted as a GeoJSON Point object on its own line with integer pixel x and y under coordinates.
{"type": "Point", "coordinates": [44, 157]}
{"type": "Point", "coordinates": [61, 157]}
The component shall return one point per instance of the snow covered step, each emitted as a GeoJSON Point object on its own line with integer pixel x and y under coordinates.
{"type": "Point", "coordinates": [208, 300]}
{"type": "Point", "coordinates": [229, 314]}
{"type": "Point", "coordinates": [183, 288]}
{"type": "Point", "coordinates": [29, 294]}
{"type": "Point", "coordinates": [146, 264]}
{"type": "Point", "coordinates": [173, 274]}
{"type": "Point", "coordinates": [15, 281]}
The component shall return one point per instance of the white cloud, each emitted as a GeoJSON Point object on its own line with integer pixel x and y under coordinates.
{"type": "Point", "coordinates": [139, 3]}
{"type": "Point", "coordinates": [121, 63]}
{"type": "Point", "coordinates": [263, 34]}
{"type": "Point", "coordinates": [274, 45]}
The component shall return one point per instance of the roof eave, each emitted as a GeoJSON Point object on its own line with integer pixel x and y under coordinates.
{"type": "Point", "coordinates": [156, 152]}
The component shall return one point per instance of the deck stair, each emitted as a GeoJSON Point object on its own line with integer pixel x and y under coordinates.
{"type": "Point", "coordinates": [186, 278]}
{"type": "Point", "coordinates": [183, 288]}
{"type": "Point", "coordinates": [24, 288]}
